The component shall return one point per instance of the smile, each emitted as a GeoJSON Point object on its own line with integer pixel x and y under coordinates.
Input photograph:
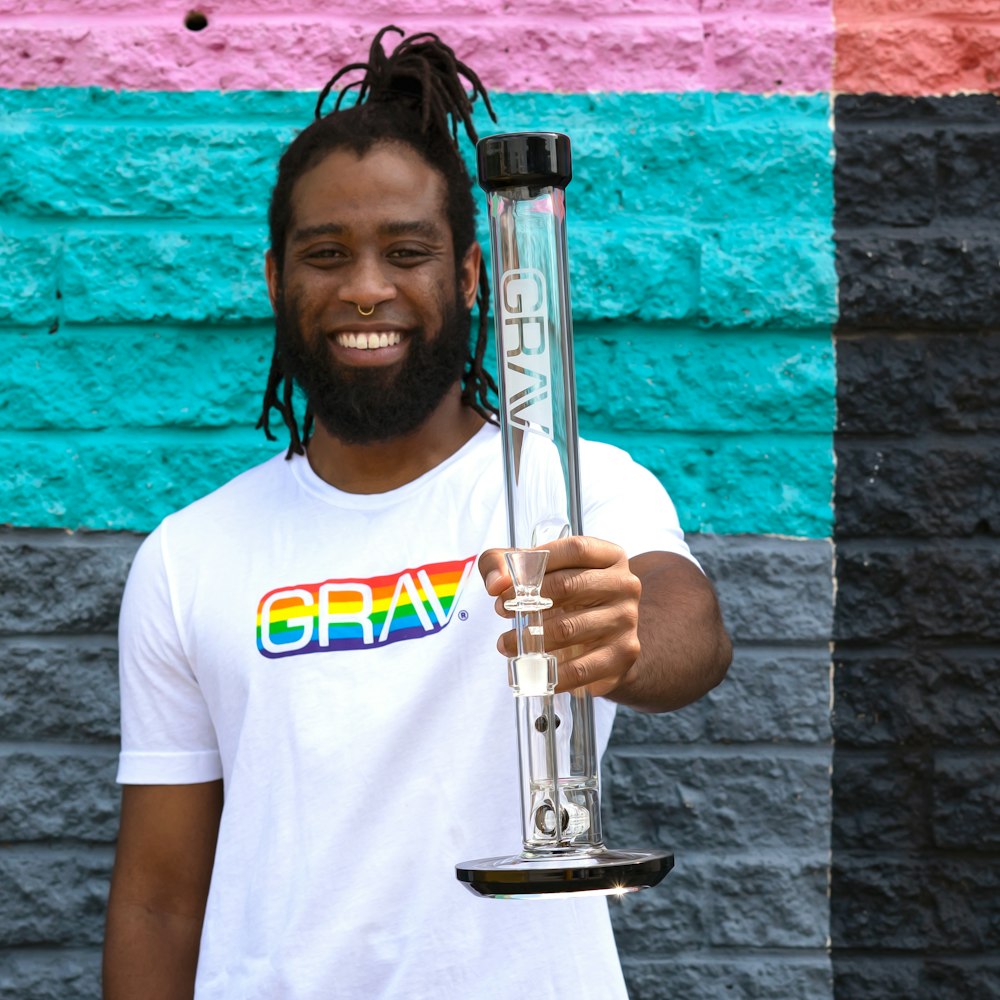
{"type": "Point", "coordinates": [368, 341]}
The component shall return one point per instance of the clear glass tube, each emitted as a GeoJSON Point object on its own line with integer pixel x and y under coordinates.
{"type": "Point", "coordinates": [524, 181]}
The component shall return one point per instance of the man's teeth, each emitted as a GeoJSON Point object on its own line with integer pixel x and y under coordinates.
{"type": "Point", "coordinates": [368, 341]}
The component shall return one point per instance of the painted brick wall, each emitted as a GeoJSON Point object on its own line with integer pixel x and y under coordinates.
{"type": "Point", "coordinates": [132, 188]}
{"type": "Point", "coordinates": [916, 890]}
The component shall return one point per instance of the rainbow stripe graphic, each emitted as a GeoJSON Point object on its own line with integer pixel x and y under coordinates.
{"type": "Point", "coordinates": [359, 614]}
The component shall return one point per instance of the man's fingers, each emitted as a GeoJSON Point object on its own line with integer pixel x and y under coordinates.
{"type": "Point", "coordinates": [494, 572]}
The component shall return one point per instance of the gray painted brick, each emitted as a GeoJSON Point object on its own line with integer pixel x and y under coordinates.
{"type": "Point", "coordinates": [782, 901]}
{"type": "Point", "coordinates": [60, 794]}
{"type": "Point", "coordinates": [926, 696]}
{"type": "Point", "coordinates": [53, 896]}
{"type": "Point", "coordinates": [67, 974]}
{"type": "Point", "coordinates": [672, 918]}
{"type": "Point", "coordinates": [62, 688]}
{"type": "Point", "coordinates": [60, 582]}
{"type": "Point", "coordinates": [703, 977]}
{"type": "Point", "coordinates": [771, 589]}
{"type": "Point", "coordinates": [769, 695]}
{"type": "Point", "coordinates": [739, 899]}
{"type": "Point", "coordinates": [692, 802]}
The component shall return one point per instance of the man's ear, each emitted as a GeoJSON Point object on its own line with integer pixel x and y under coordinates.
{"type": "Point", "coordinates": [471, 264]}
{"type": "Point", "coordinates": [272, 278]}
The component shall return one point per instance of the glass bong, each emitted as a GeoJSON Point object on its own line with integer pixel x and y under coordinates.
{"type": "Point", "coordinates": [525, 176]}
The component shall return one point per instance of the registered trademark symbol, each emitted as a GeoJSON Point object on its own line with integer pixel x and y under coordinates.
{"type": "Point", "coordinates": [463, 616]}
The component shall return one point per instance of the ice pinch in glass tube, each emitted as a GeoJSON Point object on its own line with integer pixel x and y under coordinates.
{"type": "Point", "coordinates": [525, 176]}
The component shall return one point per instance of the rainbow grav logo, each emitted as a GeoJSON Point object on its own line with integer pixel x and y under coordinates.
{"type": "Point", "coordinates": [360, 614]}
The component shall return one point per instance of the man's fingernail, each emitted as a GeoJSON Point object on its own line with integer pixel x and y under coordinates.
{"type": "Point", "coordinates": [492, 578]}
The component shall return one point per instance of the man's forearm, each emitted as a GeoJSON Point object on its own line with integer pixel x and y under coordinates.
{"type": "Point", "coordinates": [149, 955]}
{"type": "Point", "coordinates": [685, 651]}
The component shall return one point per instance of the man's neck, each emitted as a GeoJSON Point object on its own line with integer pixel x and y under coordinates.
{"type": "Point", "coordinates": [387, 465]}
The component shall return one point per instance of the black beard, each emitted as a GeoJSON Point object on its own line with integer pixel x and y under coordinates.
{"type": "Point", "coordinates": [365, 405]}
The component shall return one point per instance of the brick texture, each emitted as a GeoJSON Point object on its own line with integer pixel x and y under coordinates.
{"type": "Point", "coordinates": [738, 785]}
{"type": "Point", "coordinates": [917, 653]}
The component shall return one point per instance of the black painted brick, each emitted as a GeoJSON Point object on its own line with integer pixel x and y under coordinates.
{"type": "Point", "coordinates": [928, 697]}
{"type": "Point", "coordinates": [931, 281]}
{"type": "Point", "coordinates": [53, 896]}
{"type": "Point", "coordinates": [966, 803]}
{"type": "Point", "coordinates": [769, 695]}
{"type": "Point", "coordinates": [881, 800]}
{"type": "Point", "coordinates": [908, 383]}
{"type": "Point", "coordinates": [62, 689]}
{"type": "Point", "coordinates": [884, 176]}
{"type": "Point", "coordinates": [918, 489]}
{"type": "Point", "coordinates": [690, 802]}
{"type": "Point", "coordinates": [933, 979]}
{"type": "Point", "coordinates": [933, 590]}
{"type": "Point", "coordinates": [862, 110]}
{"type": "Point", "coordinates": [915, 902]}
{"type": "Point", "coordinates": [54, 582]}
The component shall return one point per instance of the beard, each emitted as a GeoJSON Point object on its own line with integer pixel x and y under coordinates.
{"type": "Point", "coordinates": [365, 405]}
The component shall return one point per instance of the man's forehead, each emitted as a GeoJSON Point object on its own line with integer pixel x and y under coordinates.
{"type": "Point", "coordinates": [390, 188]}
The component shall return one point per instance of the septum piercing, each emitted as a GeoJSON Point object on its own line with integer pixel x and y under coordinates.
{"type": "Point", "coordinates": [370, 310]}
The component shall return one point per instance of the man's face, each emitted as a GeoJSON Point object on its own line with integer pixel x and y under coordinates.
{"type": "Point", "coordinates": [372, 232]}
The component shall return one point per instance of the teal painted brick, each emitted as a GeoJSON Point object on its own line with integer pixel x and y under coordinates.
{"type": "Point", "coordinates": [122, 480]}
{"type": "Point", "coordinates": [108, 480]}
{"type": "Point", "coordinates": [136, 376]}
{"type": "Point", "coordinates": [763, 278]}
{"type": "Point", "coordinates": [735, 484]}
{"type": "Point", "coordinates": [632, 273]}
{"type": "Point", "coordinates": [29, 265]}
{"type": "Point", "coordinates": [217, 276]}
{"type": "Point", "coordinates": [629, 378]}
{"type": "Point", "coordinates": [155, 275]}
{"type": "Point", "coordinates": [633, 377]}
{"type": "Point", "coordinates": [174, 170]}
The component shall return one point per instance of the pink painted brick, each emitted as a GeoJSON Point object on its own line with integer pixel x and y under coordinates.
{"type": "Point", "coordinates": [558, 46]}
{"type": "Point", "coordinates": [752, 55]}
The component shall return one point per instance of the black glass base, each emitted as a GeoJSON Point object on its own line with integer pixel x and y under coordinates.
{"type": "Point", "coordinates": [608, 873]}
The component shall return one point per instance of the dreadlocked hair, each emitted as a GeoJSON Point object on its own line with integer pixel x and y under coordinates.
{"type": "Point", "coordinates": [406, 97]}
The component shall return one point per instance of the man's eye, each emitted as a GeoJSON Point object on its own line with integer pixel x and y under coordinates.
{"type": "Point", "coordinates": [406, 255]}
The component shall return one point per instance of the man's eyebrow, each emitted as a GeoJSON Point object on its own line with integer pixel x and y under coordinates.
{"type": "Point", "coordinates": [418, 227]}
{"type": "Point", "coordinates": [325, 229]}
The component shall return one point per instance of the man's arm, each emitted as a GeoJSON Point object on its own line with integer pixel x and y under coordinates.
{"type": "Point", "coordinates": [163, 866]}
{"type": "Point", "coordinates": [646, 632]}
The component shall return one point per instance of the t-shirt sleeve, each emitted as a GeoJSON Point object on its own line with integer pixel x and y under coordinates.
{"type": "Point", "coordinates": [167, 732]}
{"type": "Point", "coordinates": [626, 504]}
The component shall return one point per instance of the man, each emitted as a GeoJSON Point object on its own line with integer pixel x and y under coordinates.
{"type": "Point", "coordinates": [315, 728]}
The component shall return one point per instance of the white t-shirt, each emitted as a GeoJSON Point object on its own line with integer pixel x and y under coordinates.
{"type": "Point", "coordinates": [332, 656]}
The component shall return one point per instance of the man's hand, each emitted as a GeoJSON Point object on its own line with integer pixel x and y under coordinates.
{"type": "Point", "coordinates": [646, 631]}
{"type": "Point", "coordinates": [592, 627]}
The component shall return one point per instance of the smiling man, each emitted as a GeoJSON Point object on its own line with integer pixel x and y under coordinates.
{"type": "Point", "coordinates": [315, 720]}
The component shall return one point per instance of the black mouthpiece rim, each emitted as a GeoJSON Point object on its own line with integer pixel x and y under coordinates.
{"type": "Point", "coordinates": [524, 159]}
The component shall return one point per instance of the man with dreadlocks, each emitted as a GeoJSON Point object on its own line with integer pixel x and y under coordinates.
{"type": "Point", "coordinates": [314, 725]}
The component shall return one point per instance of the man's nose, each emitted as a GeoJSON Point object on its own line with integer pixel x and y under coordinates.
{"type": "Point", "coordinates": [367, 282]}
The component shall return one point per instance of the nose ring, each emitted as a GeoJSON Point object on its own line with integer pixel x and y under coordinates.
{"type": "Point", "coordinates": [365, 312]}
